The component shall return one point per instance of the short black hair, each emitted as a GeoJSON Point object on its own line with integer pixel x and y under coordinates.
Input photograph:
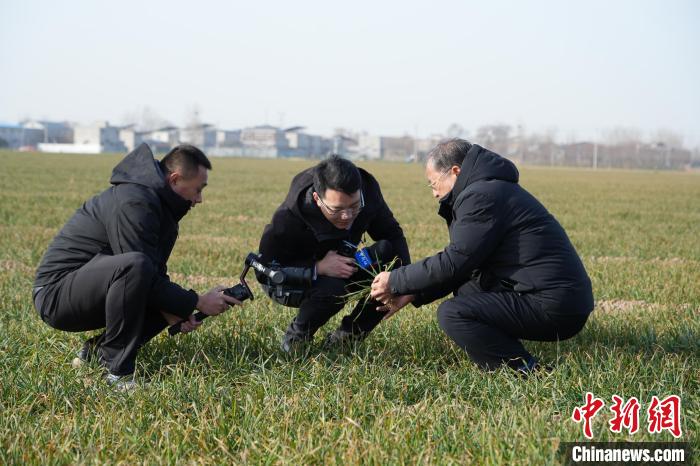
{"type": "Point", "coordinates": [338, 174]}
{"type": "Point", "coordinates": [449, 153]}
{"type": "Point", "coordinates": [185, 157]}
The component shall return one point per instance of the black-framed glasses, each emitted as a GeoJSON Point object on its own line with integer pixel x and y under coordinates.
{"type": "Point", "coordinates": [350, 211]}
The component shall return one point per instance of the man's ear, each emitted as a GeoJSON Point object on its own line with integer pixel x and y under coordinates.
{"type": "Point", "coordinates": [315, 195]}
{"type": "Point", "coordinates": [173, 178]}
{"type": "Point", "coordinates": [455, 170]}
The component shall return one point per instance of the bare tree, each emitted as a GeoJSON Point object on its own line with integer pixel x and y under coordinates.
{"type": "Point", "coordinates": [130, 118]}
{"type": "Point", "coordinates": [455, 130]}
{"type": "Point", "coordinates": [145, 119]}
{"type": "Point", "coordinates": [667, 137]}
{"type": "Point", "coordinates": [622, 136]}
{"type": "Point", "coordinates": [150, 119]}
{"type": "Point", "coordinates": [496, 137]}
{"type": "Point", "coordinates": [193, 117]}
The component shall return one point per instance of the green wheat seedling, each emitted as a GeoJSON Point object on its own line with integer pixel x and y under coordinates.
{"type": "Point", "coordinates": [362, 288]}
{"type": "Point", "coordinates": [407, 395]}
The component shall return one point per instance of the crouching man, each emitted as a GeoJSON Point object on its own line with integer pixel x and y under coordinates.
{"type": "Point", "coordinates": [327, 205]}
{"type": "Point", "coordinates": [513, 271]}
{"type": "Point", "coordinates": [107, 267]}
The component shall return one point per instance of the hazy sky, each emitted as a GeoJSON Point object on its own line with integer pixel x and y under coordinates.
{"type": "Point", "coordinates": [385, 67]}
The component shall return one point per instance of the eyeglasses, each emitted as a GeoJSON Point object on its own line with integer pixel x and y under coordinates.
{"type": "Point", "coordinates": [433, 184]}
{"type": "Point", "coordinates": [350, 212]}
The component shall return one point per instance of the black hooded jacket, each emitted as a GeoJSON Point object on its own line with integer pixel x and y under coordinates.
{"type": "Point", "coordinates": [139, 213]}
{"type": "Point", "coordinates": [299, 235]}
{"type": "Point", "coordinates": [503, 233]}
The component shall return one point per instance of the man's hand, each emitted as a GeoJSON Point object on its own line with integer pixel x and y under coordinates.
{"type": "Point", "coordinates": [171, 319]}
{"type": "Point", "coordinates": [395, 304]}
{"type": "Point", "coordinates": [187, 326]}
{"type": "Point", "coordinates": [335, 265]}
{"type": "Point", "coordinates": [190, 325]}
{"type": "Point", "coordinates": [380, 287]}
{"type": "Point", "coordinates": [214, 302]}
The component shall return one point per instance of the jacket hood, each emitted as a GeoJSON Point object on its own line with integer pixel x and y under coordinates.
{"type": "Point", "coordinates": [141, 168]}
{"type": "Point", "coordinates": [479, 164]}
{"type": "Point", "coordinates": [482, 164]}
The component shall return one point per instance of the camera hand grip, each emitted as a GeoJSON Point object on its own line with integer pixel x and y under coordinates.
{"type": "Point", "coordinates": [177, 328]}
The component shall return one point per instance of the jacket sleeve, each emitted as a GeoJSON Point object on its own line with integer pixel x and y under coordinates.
{"type": "Point", "coordinates": [136, 228]}
{"type": "Point", "coordinates": [429, 295]}
{"type": "Point", "coordinates": [474, 234]}
{"type": "Point", "coordinates": [385, 226]}
{"type": "Point", "coordinates": [278, 240]}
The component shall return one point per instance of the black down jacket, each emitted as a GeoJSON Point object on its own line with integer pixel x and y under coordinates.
{"type": "Point", "coordinates": [499, 233]}
{"type": "Point", "coordinates": [139, 213]}
{"type": "Point", "coordinates": [299, 234]}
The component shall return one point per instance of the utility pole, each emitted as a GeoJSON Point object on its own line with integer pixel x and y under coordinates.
{"type": "Point", "coordinates": [551, 154]}
{"type": "Point", "coordinates": [415, 143]}
{"type": "Point", "coordinates": [595, 156]}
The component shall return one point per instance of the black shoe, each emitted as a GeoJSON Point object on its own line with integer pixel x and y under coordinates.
{"type": "Point", "coordinates": [88, 353]}
{"type": "Point", "coordinates": [296, 339]}
{"type": "Point", "coordinates": [121, 383]}
{"type": "Point", "coordinates": [341, 338]}
{"type": "Point", "coordinates": [295, 344]}
{"type": "Point", "coordinates": [532, 368]}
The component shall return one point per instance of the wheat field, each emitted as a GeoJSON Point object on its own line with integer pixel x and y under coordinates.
{"type": "Point", "coordinates": [227, 394]}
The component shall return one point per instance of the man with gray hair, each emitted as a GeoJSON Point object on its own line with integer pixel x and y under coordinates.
{"type": "Point", "coordinates": [513, 271]}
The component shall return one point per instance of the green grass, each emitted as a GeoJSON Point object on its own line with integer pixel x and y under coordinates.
{"type": "Point", "coordinates": [226, 394]}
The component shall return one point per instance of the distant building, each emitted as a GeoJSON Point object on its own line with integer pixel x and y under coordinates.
{"type": "Point", "coordinates": [425, 145]}
{"type": "Point", "coordinates": [99, 134]}
{"type": "Point", "coordinates": [130, 137]}
{"type": "Point", "coordinates": [201, 136]}
{"type": "Point", "coordinates": [90, 139]}
{"type": "Point", "coordinates": [69, 148]}
{"type": "Point", "coordinates": [169, 135]}
{"type": "Point", "coordinates": [56, 132]}
{"type": "Point", "coordinates": [369, 147]}
{"type": "Point", "coordinates": [228, 138]}
{"type": "Point", "coordinates": [264, 136]}
{"type": "Point", "coordinates": [302, 144]}
{"type": "Point", "coordinates": [398, 148]}
{"type": "Point", "coordinates": [13, 136]}
{"type": "Point", "coordinates": [592, 155]}
{"type": "Point", "coordinates": [343, 145]}
{"type": "Point", "coordinates": [386, 148]}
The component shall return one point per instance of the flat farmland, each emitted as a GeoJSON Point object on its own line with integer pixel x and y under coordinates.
{"type": "Point", "coordinates": [227, 394]}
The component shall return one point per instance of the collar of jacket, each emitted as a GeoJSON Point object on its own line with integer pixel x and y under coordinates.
{"type": "Point", "coordinates": [445, 209]}
{"type": "Point", "coordinates": [141, 168]}
{"type": "Point", "coordinates": [176, 204]}
{"type": "Point", "coordinates": [463, 179]}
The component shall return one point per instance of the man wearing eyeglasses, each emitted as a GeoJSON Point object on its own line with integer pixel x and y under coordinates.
{"type": "Point", "coordinates": [331, 203]}
{"type": "Point", "coordinates": [510, 265]}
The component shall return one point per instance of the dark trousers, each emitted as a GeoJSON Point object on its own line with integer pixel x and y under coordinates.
{"type": "Point", "coordinates": [324, 299]}
{"type": "Point", "coordinates": [489, 325]}
{"type": "Point", "coordinates": [110, 292]}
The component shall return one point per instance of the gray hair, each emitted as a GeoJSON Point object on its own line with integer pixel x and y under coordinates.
{"type": "Point", "coordinates": [448, 153]}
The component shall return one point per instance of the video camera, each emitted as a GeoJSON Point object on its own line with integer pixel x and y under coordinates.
{"type": "Point", "coordinates": [274, 275]}
{"type": "Point", "coordinates": [290, 287]}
